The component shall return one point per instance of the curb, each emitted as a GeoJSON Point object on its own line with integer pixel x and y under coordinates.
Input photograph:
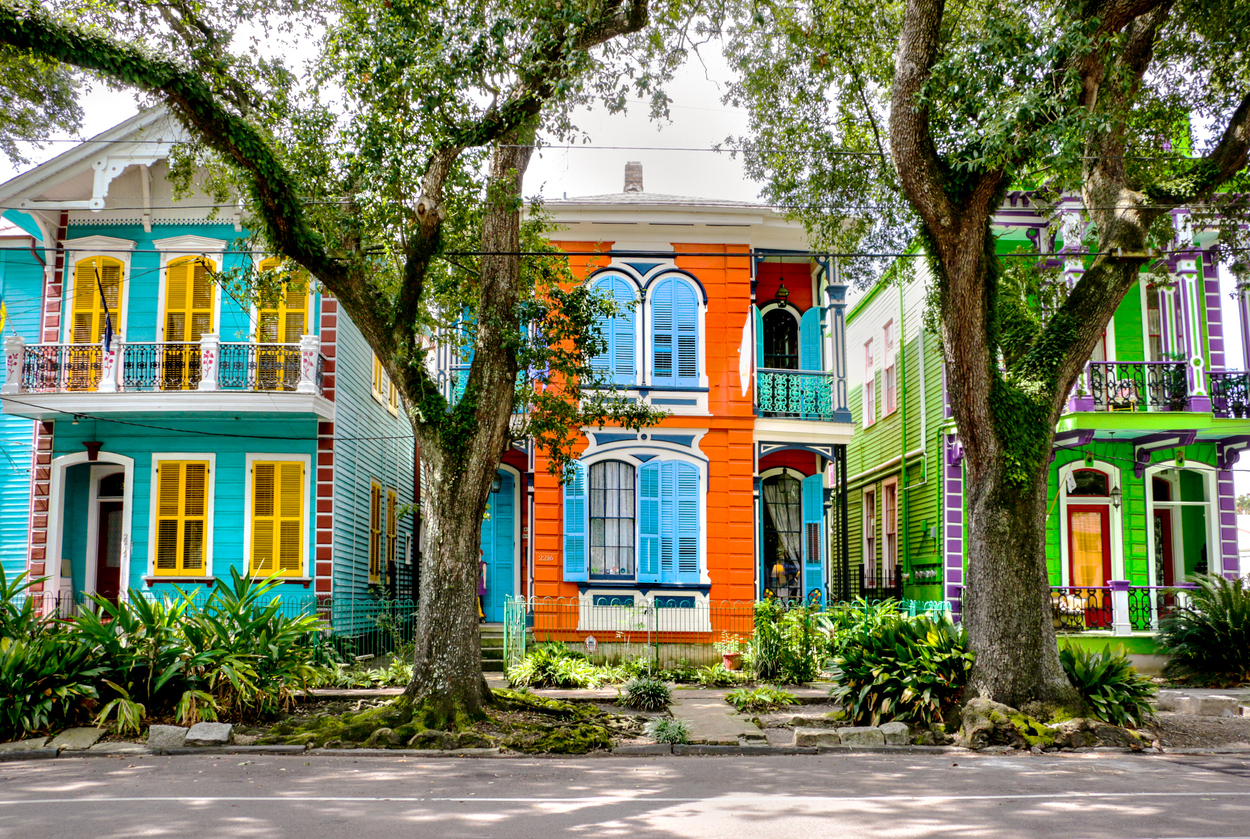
{"type": "Point", "coordinates": [744, 750]}
{"type": "Point", "coordinates": [492, 752]}
{"type": "Point", "coordinates": [29, 754]}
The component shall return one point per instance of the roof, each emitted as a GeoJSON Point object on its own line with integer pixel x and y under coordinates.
{"type": "Point", "coordinates": [652, 199]}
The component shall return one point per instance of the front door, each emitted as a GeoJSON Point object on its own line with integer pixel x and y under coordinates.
{"type": "Point", "coordinates": [498, 548]}
{"type": "Point", "coordinates": [108, 568]}
{"type": "Point", "coordinates": [1089, 552]}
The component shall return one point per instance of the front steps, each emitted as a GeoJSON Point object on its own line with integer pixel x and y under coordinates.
{"type": "Point", "coordinates": [492, 647]}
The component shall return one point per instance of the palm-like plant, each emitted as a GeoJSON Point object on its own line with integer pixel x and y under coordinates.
{"type": "Point", "coordinates": [1209, 638]}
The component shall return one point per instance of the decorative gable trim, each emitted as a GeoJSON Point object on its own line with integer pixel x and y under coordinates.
{"type": "Point", "coordinates": [98, 244]}
{"type": "Point", "coordinates": [190, 244]}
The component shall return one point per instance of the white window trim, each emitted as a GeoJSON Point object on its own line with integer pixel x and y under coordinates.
{"type": "Point", "coordinates": [868, 558]}
{"type": "Point", "coordinates": [889, 361]}
{"type": "Point", "coordinates": [1115, 521]}
{"type": "Point", "coordinates": [1215, 546]}
{"type": "Point", "coordinates": [868, 390]}
{"type": "Point", "coordinates": [211, 504]}
{"type": "Point", "coordinates": [170, 253]}
{"type": "Point", "coordinates": [97, 473]}
{"type": "Point", "coordinates": [86, 248]}
{"type": "Point", "coordinates": [629, 455]}
{"type": "Point", "coordinates": [310, 526]}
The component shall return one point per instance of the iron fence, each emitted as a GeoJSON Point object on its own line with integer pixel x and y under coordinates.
{"type": "Point", "coordinates": [1230, 394]}
{"type": "Point", "coordinates": [1148, 605]}
{"type": "Point", "coordinates": [1139, 385]}
{"type": "Point", "coordinates": [1077, 608]}
{"type": "Point", "coordinates": [250, 366]}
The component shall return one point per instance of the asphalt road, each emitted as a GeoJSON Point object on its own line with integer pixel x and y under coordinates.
{"type": "Point", "coordinates": [1086, 795]}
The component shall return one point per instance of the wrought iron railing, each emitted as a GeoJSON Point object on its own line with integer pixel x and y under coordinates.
{"type": "Point", "coordinates": [1148, 605]}
{"type": "Point", "coordinates": [1078, 608]}
{"type": "Point", "coordinates": [168, 365]}
{"type": "Point", "coordinates": [259, 367]}
{"type": "Point", "coordinates": [1230, 394]}
{"type": "Point", "coordinates": [1139, 385]}
{"type": "Point", "coordinates": [794, 394]}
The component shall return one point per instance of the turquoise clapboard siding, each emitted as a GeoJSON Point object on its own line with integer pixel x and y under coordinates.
{"type": "Point", "coordinates": [197, 435]}
{"type": "Point", "coordinates": [21, 289]}
{"type": "Point", "coordinates": [370, 444]}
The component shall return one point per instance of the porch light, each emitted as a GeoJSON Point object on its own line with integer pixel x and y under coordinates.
{"type": "Point", "coordinates": [783, 294]}
{"type": "Point", "coordinates": [1116, 497]}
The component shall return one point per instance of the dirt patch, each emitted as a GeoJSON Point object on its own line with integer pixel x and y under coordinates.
{"type": "Point", "coordinates": [1189, 731]}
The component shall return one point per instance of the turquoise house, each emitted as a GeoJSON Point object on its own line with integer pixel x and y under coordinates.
{"type": "Point", "coordinates": [160, 429]}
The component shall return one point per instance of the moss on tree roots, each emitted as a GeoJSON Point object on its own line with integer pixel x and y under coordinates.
{"type": "Point", "coordinates": [518, 721]}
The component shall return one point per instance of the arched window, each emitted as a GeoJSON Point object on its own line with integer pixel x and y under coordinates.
{"type": "Point", "coordinates": [781, 340]}
{"type": "Point", "coordinates": [674, 334]}
{"type": "Point", "coordinates": [783, 535]}
{"type": "Point", "coordinates": [612, 519]}
{"type": "Point", "coordinates": [617, 359]}
{"type": "Point", "coordinates": [1089, 483]}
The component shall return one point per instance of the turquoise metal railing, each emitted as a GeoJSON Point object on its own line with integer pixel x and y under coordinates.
{"type": "Point", "coordinates": [794, 394]}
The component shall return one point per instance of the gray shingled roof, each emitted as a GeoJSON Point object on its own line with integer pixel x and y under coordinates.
{"type": "Point", "coordinates": [642, 198]}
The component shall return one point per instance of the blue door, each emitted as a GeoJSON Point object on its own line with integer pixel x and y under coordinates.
{"type": "Point", "coordinates": [498, 547]}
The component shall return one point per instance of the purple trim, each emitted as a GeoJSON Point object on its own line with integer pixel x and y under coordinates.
{"type": "Point", "coordinates": [1151, 443]}
{"type": "Point", "coordinates": [1200, 404]}
{"type": "Point", "coordinates": [1215, 314]}
{"type": "Point", "coordinates": [1072, 439]}
{"type": "Point", "coordinates": [1228, 450]}
{"type": "Point", "coordinates": [1229, 557]}
{"type": "Point", "coordinates": [1118, 585]}
{"type": "Point", "coordinates": [954, 451]}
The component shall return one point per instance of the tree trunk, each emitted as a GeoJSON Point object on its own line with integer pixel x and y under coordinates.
{"type": "Point", "coordinates": [1007, 609]}
{"type": "Point", "coordinates": [459, 463]}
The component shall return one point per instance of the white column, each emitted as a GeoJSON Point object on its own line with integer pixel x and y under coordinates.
{"type": "Point", "coordinates": [309, 349]}
{"type": "Point", "coordinates": [1193, 301]}
{"type": "Point", "coordinates": [109, 362]}
{"type": "Point", "coordinates": [1120, 624]}
{"type": "Point", "coordinates": [14, 351]}
{"type": "Point", "coordinates": [210, 358]}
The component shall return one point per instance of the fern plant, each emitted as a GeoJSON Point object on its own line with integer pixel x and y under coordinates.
{"type": "Point", "coordinates": [1209, 639]}
{"type": "Point", "coordinates": [760, 699]}
{"type": "Point", "coordinates": [668, 731]}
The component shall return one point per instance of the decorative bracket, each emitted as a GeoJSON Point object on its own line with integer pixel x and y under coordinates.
{"type": "Point", "coordinates": [1228, 450]}
{"type": "Point", "coordinates": [1146, 446]}
{"type": "Point", "coordinates": [1071, 440]}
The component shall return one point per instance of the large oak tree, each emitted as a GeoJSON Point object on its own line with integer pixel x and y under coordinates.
{"type": "Point", "coordinates": [391, 171]}
{"type": "Point", "coordinates": [891, 121]}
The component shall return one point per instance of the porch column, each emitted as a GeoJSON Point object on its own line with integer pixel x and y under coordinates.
{"type": "Point", "coordinates": [14, 350]}
{"type": "Point", "coordinates": [1192, 301]}
{"type": "Point", "coordinates": [309, 348]}
{"type": "Point", "coordinates": [1243, 317]}
{"type": "Point", "coordinates": [210, 360]}
{"type": "Point", "coordinates": [1120, 623]}
{"type": "Point", "coordinates": [1170, 333]}
{"type": "Point", "coordinates": [837, 324]}
{"type": "Point", "coordinates": [109, 358]}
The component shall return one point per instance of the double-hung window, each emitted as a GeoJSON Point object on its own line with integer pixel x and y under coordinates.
{"type": "Point", "coordinates": [870, 386]}
{"type": "Point", "coordinates": [375, 532]}
{"type": "Point", "coordinates": [888, 348]}
{"type": "Point", "coordinates": [182, 507]}
{"type": "Point", "coordinates": [889, 558]}
{"type": "Point", "coordinates": [870, 538]}
{"type": "Point", "coordinates": [97, 299]}
{"type": "Point", "coordinates": [277, 536]}
{"type": "Point", "coordinates": [640, 523]}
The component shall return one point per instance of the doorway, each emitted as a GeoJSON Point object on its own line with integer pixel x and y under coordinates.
{"type": "Point", "coordinates": [110, 512]}
{"type": "Point", "coordinates": [1089, 559]}
{"type": "Point", "coordinates": [499, 546]}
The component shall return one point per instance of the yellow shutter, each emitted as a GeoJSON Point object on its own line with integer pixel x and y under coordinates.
{"type": "Point", "coordinates": [181, 517]}
{"type": "Point", "coordinates": [375, 532]}
{"type": "Point", "coordinates": [277, 518]}
{"type": "Point", "coordinates": [188, 299]}
{"type": "Point", "coordinates": [391, 530]}
{"type": "Point", "coordinates": [284, 319]}
{"type": "Point", "coordinates": [88, 319]}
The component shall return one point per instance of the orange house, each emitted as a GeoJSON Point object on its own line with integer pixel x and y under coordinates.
{"type": "Point", "coordinates": [729, 324]}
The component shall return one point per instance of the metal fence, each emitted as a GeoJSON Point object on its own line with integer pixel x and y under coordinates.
{"type": "Point", "coordinates": [353, 627]}
{"type": "Point", "coordinates": [1078, 609]}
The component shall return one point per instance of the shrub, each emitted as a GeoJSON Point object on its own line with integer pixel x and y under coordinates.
{"type": "Point", "coordinates": [668, 731]}
{"type": "Point", "coordinates": [645, 694]}
{"type": "Point", "coordinates": [716, 676]}
{"type": "Point", "coordinates": [682, 671]}
{"type": "Point", "coordinates": [788, 647]}
{"type": "Point", "coordinates": [846, 620]}
{"type": "Point", "coordinates": [1110, 684]}
{"type": "Point", "coordinates": [910, 669]}
{"type": "Point", "coordinates": [1209, 640]}
{"type": "Point", "coordinates": [48, 681]}
{"type": "Point", "coordinates": [24, 620]}
{"type": "Point", "coordinates": [554, 665]}
{"type": "Point", "coordinates": [760, 699]}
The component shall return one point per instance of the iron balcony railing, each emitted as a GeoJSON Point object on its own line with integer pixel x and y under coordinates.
{"type": "Point", "coordinates": [1139, 385]}
{"type": "Point", "coordinates": [1117, 606]}
{"type": "Point", "coordinates": [139, 366]}
{"type": "Point", "coordinates": [794, 394]}
{"type": "Point", "coordinates": [1230, 394]}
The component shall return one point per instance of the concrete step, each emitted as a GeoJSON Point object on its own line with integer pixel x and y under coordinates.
{"type": "Point", "coordinates": [492, 666]}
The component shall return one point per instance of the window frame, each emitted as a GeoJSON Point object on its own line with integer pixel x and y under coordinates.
{"type": "Point", "coordinates": [889, 529]}
{"type": "Point", "coordinates": [590, 517]}
{"type": "Point", "coordinates": [604, 277]}
{"type": "Point", "coordinates": [392, 526]}
{"type": "Point", "coordinates": [210, 492]}
{"type": "Point", "coordinates": [384, 392]}
{"type": "Point", "coordinates": [890, 373]}
{"type": "Point", "coordinates": [375, 532]}
{"type": "Point", "coordinates": [869, 390]}
{"type": "Point", "coordinates": [700, 377]}
{"type": "Point", "coordinates": [308, 524]}
{"type": "Point", "coordinates": [868, 525]}
{"type": "Point", "coordinates": [90, 247]}
{"type": "Point", "coordinates": [282, 310]}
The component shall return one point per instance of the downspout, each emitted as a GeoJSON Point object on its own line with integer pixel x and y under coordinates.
{"type": "Point", "coordinates": [902, 382]}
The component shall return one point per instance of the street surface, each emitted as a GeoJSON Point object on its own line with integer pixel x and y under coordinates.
{"type": "Point", "coordinates": [837, 796]}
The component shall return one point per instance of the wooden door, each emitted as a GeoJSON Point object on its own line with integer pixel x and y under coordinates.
{"type": "Point", "coordinates": [108, 568]}
{"type": "Point", "coordinates": [1089, 560]}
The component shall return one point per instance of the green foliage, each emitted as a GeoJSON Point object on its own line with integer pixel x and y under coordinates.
{"type": "Point", "coordinates": [682, 672]}
{"type": "Point", "coordinates": [908, 669]}
{"type": "Point", "coordinates": [716, 676]}
{"type": "Point", "coordinates": [553, 665]}
{"type": "Point", "coordinates": [126, 713]}
{"type": "Point", "coordinates": [645, 694]}
{"type": "Point", "coordinates": [788, 646]}
{"type": "Point", "coordinates": [48, 683]}
{"type": "Point", "coordinates": [38, 99]}
{"type": "Point", "coordinates": [844, 621]}
{"type": "Point", "coordinates": [195, 706]}
{"type": "Point", "coordinates": [669, 731]}
{"type": "Point", "coordinates": [1209, 639]}
{"type": "Point", "coordinates": [761, 699]}
{"type": "Point", "coordinates": [1110, 684]}
{"type": "Point", "coordinates": [19, 617]}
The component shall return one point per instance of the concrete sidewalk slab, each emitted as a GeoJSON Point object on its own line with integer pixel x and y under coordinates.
{"type": "Point", "coordinates": [712, 720]}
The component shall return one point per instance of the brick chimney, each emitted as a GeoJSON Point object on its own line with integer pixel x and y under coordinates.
{"type": "Point", "coordinates": [633, 176]}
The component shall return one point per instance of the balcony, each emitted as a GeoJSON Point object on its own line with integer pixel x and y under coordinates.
{"type": "Point", "coordinates": [794, 394]}
{"type": "Point", "coordinates": [1230, 394]}
{"type": "Point", "coordinates": [1152, 386]}
{"type": "Point", "coordinates": [244, 376]}
{"type": "Point", "coordinates": [1117, 607]}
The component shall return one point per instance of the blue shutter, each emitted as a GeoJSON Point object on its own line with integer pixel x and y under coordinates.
{"type": "Point", "coordinates": [674, 335]}
{"type": "Point", "coordinates": [668, 522]}
{"type": "Point", "coordinates": [465, 332]}
{"type": "Point", "coordinates": [809, 340]}
{"type": "Point", "coordinates": [813, 538]}
{"type": "Point", "coordinates": [575, 526]}
{"type": "Point", "coordinates": [759, 336]}
{"type": "Point", "coordinates": [617, 359]}
{"type": "Point", "coordinates": [686, 314]}
{"type": "Point", "coordinates": [687, 503]}
{"type": "Point", "coordinates": [662, 335]}
{"type": "Point", "coordinates": [649, 523]}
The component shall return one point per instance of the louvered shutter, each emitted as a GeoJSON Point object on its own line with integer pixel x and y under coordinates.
{"type": "Point", "coordinates": [392, 526]}
{"type": "Point", "coordinates": [686, 312]}
{"type": "Point", "coordinates": [168, 516]}
{"type": "Point", "coordinates": [759, 336]}
{"type": "Point", "coordinates": [686, 503]}
{"type": "Point", "coordinates": [668, 522]}
{"type": "Point", "coordinates": [649, 523]}
{"type": "Point", "coordinates": [662, 338]}
{"type": "Point", "coordinates": [264, 490]}
{"type": "Point", "coordinates": [813, 537]}
{"type": "Point", "coordinates": [809, 340]}
{"type": "Point", "coordinates": [181, 516]}
{"type": "Point", "coordinates": [617, 359]}
{"type": "Point", "coordinates": [290, 510]}
{"type": "Point", "coordinates": [675, 335]}
{"type": "Point", "coordinates": [375, 532]}
{"type": "Point", "coordinates": [195, 508]}
{"type": "Point", "coordinates": [87, 326]}
{"type": "Point", "coordinates": [575, 564]}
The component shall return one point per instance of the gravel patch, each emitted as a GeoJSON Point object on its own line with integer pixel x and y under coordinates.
{"type": "Point", "coordinates": [1188, 731]}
